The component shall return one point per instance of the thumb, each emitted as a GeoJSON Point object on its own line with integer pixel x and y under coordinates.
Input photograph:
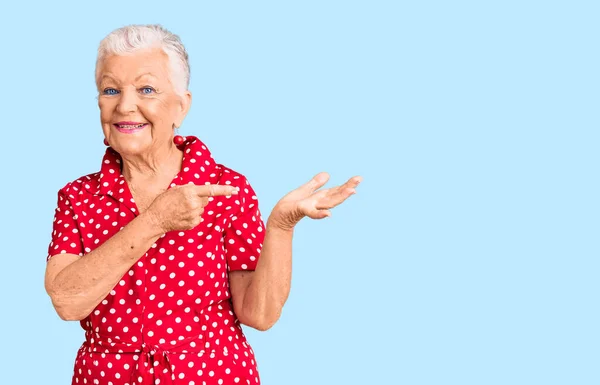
{"type": "Point", "coordinates": [315, 183]}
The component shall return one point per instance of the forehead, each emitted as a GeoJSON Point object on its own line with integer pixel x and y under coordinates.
{"type": "Point", "coordinates": [129, 67]}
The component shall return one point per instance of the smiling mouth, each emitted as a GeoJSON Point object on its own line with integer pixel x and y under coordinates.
{"type": "Point", "coordinates": [130, 126]}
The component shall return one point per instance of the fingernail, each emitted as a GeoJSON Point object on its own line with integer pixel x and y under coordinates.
{"type": "Point", "coordinates": [234, 192]}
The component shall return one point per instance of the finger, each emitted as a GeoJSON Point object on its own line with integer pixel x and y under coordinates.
{"type": "Point", "coordinates": [353, 182]}
{"type": "Point", "coordinates": [321, 214]}
{"type": "Point", "coordinates": [212, 190]}
{"type": "Point", "coordinates": [347, 189]}
{"type": "Point", "coordinates": [333, 197]}
{"type": "Point", "coordinates": [318, 214]}
{"type": "Point", "coordinates": [315, 183]}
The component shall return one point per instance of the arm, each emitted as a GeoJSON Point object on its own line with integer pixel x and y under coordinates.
{"type": "Point", "coordinates": [77, 284]}
{"type": "Point", "coordinates": [258, 297]}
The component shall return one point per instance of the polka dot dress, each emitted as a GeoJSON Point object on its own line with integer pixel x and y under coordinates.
{"type": "Point", "coordinates": [169, 320]}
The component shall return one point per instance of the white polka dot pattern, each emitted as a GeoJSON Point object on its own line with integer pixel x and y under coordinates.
{"type": "Point", "coordinates": [169, 320]}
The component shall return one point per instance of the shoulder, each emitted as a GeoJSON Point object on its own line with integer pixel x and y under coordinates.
{"type": "Point", "coordinates": [85, 184]}
{"type": "Point", "coordinates": [232, 177]}
{"type": "Point", "coordinates": [199, 167]}
{"type": "Point", "coordinates": [247, 198]}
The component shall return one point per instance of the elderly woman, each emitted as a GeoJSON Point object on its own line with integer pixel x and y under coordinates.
{"type": "Point", "coordinates": [163, 253]}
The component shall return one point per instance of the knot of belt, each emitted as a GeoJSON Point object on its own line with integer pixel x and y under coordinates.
{"type": "Point", "coordinates": [152, 359]}
{"type": "Point", "coordinates": [152, 366]}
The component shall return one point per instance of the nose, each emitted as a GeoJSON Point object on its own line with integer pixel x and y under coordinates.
{"type": "Point", "coordinates": [127, 102]}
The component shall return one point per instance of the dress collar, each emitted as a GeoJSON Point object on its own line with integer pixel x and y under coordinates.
{"type": "Point", "coordinates": [196, 167]}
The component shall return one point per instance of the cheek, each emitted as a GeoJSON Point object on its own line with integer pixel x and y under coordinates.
{"type": "Point", "coordinates": [106, 109]}
{"type": "Point", "coordinates": [158, 111]}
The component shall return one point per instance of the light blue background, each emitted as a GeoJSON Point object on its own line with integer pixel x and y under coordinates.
{"type": "Point", "coordinates": [469, 255]}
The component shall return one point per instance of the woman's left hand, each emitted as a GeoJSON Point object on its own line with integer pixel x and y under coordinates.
{"type": "Point", "coordinates": [307, 201]}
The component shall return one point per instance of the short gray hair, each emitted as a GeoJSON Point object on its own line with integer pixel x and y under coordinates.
{"type": "Point", "coordinates": [129, 39]}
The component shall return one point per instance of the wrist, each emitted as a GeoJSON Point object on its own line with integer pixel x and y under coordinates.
{"type": "Point", "coordinates": [275, 225]}
{"type": "Point", "coordinates": [284, 217]}
{"type": "Point", "coordinates": [150, 222]}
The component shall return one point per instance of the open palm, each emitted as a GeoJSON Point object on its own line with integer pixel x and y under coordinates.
{"type": "Point", "coordinates": [307, 201]}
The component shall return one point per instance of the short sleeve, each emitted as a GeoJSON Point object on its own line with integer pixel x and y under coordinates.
{"type": "Point", "coordinates": [65, 233]}
{"type": "Point", "coordinates": [245, 235]}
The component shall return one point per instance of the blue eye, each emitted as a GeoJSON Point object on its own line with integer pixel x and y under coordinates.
{"type": "Point", "coordinates": [147, 90]}
{"type": "Point", "coordinates": [110, 91]}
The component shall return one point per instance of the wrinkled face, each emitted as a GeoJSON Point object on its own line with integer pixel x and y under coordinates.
{"type": "Point", "coordinates": [138, 104]}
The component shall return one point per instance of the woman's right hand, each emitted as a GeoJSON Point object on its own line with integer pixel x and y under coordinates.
{"type": "Point", "coordinates": [181, 207]}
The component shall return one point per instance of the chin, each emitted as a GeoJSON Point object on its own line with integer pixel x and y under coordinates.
{"type": "Point", "coordinates": [131, 146]}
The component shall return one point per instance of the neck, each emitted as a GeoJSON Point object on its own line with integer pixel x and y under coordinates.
{"type": "Point", "coordinates": [162, 163]}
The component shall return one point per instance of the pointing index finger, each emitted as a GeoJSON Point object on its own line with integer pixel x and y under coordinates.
{"type": "Point", "coordinates": [211, 190]}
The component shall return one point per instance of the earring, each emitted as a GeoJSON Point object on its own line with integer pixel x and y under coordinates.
{"type": "Point", "coordinates": [106, 142]}
{"type": "Point", "coordinates": [178, 140]}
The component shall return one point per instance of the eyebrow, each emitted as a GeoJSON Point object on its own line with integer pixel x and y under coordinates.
{"type": "Point", "coordinates": [144, 74]}
{"type": "Point", "coordinates": [136, 79]}
{"type": "Point", "coordinates": [106, 76]}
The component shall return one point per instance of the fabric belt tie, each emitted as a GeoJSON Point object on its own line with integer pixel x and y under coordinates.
{"type": "Point", "coordinates": [153, 365]}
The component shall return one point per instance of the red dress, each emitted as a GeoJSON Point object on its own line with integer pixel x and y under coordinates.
{"type": "Point", "coordinates": [170, 319]}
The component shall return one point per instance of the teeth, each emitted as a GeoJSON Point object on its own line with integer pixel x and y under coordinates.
{"type": "Point", "coordinates": [130, 126]}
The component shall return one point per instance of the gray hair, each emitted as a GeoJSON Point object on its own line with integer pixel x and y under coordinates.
{"type": "Point", "coordinates": [129, 39]}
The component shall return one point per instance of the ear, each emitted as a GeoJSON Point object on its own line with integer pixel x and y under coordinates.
{"type": "Point", "coordinates": [185, 102]}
